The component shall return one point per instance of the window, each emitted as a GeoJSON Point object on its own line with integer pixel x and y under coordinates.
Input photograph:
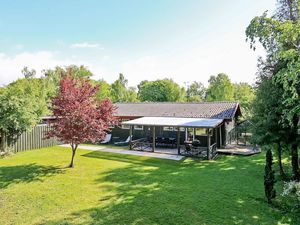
{"type": "Point", "coordinates": [125, 126]}
{"type": "Point", "coordinates": [181, 129]}
{"type": "Point", "coordinates": [200, 131]}
{"type": "Point", "coordinates": [168, 128]}
{"type": "Point", "coordinates": [138, 127]}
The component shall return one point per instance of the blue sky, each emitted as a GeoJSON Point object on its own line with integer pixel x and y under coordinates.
{"type": "Point", "coordinates": [185, 40]}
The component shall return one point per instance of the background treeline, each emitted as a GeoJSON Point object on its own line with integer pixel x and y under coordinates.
{"type": "Point", "coordinates": [220, 88]}
{"type": "Point", "coordinates": [24, 101]}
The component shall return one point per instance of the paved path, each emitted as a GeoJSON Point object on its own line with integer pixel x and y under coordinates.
{"type": "Point", "coordinates": [86, 147]}
{"type": "Point", "coordinates": [129, 152]}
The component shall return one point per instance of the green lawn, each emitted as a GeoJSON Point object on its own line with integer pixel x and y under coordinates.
{"type": "Point", "coordinates": [36, 188]}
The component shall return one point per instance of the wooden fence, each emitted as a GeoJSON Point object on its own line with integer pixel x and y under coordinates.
{"type": "Point", "coordinates": [34, 139]}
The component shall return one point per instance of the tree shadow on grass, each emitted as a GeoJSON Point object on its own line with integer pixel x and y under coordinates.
{"type": "Point", "coordinates": [25, 173]}
{"type": "Point", "coordinates": [151, 191]}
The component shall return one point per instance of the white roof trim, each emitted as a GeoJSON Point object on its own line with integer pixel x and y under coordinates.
{"type": "Point", "coordinates": [175, 122]}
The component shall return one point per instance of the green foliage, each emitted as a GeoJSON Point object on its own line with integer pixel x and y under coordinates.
{"type": "Point", "coordinates": [22, 103]}
{"type": "Point", "coordinates": [165, 90]}
{"type": "Point", "coordinates": [269, 177]}
{"type": "Point", "coordinates": [220, 88]}
{"type": "Point", "coordinates": [120, 92]}
{"type": "Point", "coordinates": [291, 196]}
{"type": "Point", "coordinates": [104, 90]}
{"type": "Point", "coordinates": [267, 129]}
{"type": "Point", "coordinates": [195, 92]}
{"type": "Point", "coordinates": [54, 76]}
{"type": "Point", "coordinates": [244, 94]}
{"type": "Point", "coordinates": [28, 73]}
{"type": "Point", "coordinates": [280, 37]}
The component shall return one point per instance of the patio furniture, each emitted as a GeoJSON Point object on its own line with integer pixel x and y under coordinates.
{"type": "Point", "coordinates": [122, 143]}
{"type": "Point", "coordinates": [115, 139]}
{"type": "Point", "coordinates": [140, 144]}
{"type": "Point", "coordinates": [107, 139]}
{"type": "Point", "coordinates": [165, 142]}
{"type": "Point", "coordinates": [194, 148]}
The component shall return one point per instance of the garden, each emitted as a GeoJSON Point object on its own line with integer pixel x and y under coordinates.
{"type": "Point", "coordinates": [36, 187]}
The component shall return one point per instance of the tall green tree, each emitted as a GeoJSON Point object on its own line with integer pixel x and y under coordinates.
{"type": "Point", "coordinates": [104, 89]}
{"type": "Point", "coordinates": [244, 94]}
{"type": "Point", "coordinates": [28, 73]}
{"type": "Point", "coordinates": [165, 90]}
{"type": "Point", "coordinates": [220, 88]}
{"type": "Point", "coordinates": [195, 92]}
{"type": "Point", "coordinates": [54, 76]}
{"type": "Point", "coordinates": [266, 115]}
{"type": "Point", "coordinates": [280, 36]}
{"type": "Point", "coordinates": [120, 91]}
{"type": "Point", "coordinates": [22, 103]}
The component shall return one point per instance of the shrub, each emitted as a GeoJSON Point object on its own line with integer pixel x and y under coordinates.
{"type": "Point", "coordinates": [269, 177]}
{"type": "Point", "coordinates": [291, 195]}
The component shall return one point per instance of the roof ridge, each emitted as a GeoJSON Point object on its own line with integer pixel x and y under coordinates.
{"type": "Point", "coordinates": [141, 103]}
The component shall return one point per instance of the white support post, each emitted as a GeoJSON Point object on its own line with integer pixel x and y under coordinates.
{"type": "Point", "coordinates": [220, 136]}
{"type": "Point", "coordinates": [178, 140]}
{"type": "Point", "coordinates": [130, 137]}
{"type": "Point", "coordinates": [194, 132]}
{"type": "Point", "coordinates": [208, 144]}
{"type": "Point", "coordinates": [186, 134]}
{"type": "Point", "coordinates": [153, 138]}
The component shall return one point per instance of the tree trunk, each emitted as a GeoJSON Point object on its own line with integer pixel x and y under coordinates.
{"type": "Point", "coordinates": [281, 170]}
{"type": "Point", "coordinates": [74, 147]}
{"type": "Point", "coordinates": [295, 163]}
{"type": "Point", "coordinates": [3, 142]}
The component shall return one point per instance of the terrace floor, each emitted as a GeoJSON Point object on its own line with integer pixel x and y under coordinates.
{"type": "Point", "coordinates": [159, 153]}
{"type": "Point", "coordinates": [234, 149]}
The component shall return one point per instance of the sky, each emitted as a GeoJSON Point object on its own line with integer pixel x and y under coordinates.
{"type": "Point", "coordinates": [186, 40]}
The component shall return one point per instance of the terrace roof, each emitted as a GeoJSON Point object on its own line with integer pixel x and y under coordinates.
{"type": "Point", "coordinates": [175, 122]}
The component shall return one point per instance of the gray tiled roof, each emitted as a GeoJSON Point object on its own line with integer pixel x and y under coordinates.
{"type": "Point", "coordinates": [218, 110]}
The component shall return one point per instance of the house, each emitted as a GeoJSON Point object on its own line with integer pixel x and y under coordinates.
{"type": "Point", "coordinates": [208, 122]}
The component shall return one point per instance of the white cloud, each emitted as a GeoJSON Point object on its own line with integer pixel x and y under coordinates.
{"type": "Point", "coordinates": [11, 66]}
{"type": "Point", "coordinates": [230, 54]}
{"type": "Point", "coordinates": [86, 45]}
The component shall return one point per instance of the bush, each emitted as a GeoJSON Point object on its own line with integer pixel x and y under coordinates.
{"type": "Point", "coordinates": [291, 195]}
{"type": "Point", "coordinates": [269, 177]}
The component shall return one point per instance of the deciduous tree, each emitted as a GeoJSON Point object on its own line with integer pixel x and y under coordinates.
{"type": "Point", "coordinates": [22, 103]}
{"type": "Point", "coordinates": [220, 88]}
{"type": "Point", "coordinates": [280, 36]}
{"type": "Point", "coordinates": [195, 92]}
{"type": "Point", "coordinates": [165, 90]}
{"type": "Point", "coordinates": [120, 92]}
{"type": "Point", "coordinates": [78, 116]}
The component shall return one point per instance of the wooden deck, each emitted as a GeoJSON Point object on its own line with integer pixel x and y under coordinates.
{"type": "Point", "coordinates": [238, 150]}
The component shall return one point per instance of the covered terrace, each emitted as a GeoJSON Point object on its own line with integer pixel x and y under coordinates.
{"type": "Point", "coordinates": [212, 126]}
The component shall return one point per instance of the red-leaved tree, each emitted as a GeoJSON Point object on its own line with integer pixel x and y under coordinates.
{"type": "Point", "coordinates": [78, 116]}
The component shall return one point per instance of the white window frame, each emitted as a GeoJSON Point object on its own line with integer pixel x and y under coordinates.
{"type": "Point", "coordinates": [138, 127]}
{"type": "Point", "coordinates": [168, 128]}
{"type": "Point", "coordinates": [125, 127]}
{"type": "Point", "coordinates": [180, 129]}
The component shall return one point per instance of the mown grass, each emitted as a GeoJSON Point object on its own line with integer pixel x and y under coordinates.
{"type": "Point", "coordinates": [104, 188]}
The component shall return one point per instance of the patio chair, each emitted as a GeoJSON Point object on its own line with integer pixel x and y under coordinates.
{"type": "Point", "coordinates": [196, 143]}
{"type": "Point", "coordinates": [122, 143]}
{"type": "Point", "coordinates": [188, 148]}
{"type": "Point", "coordinates": [107, 139]}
